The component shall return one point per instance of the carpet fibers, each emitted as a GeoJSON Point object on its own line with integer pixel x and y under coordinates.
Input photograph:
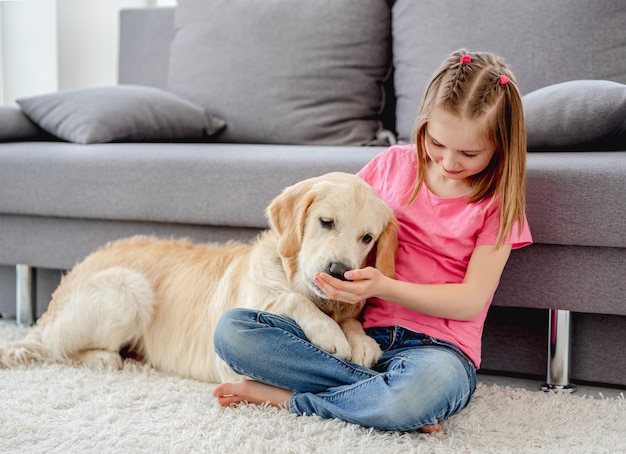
{"type": "Point", "coordinates": [65, 409]}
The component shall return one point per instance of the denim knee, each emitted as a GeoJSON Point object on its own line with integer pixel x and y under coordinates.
{"type": "Point", "coordinates": [227, 338]}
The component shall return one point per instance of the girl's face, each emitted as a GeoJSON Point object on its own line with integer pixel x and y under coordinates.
{"type": "Point", "coordinates": [457, 147]}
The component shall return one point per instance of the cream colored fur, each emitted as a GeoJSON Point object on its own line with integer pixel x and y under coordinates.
{"type": "Point", "coordinates": [162, 298]}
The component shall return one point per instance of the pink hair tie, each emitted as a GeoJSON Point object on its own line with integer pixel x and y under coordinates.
{"type": "Point", "coordinates": [465, 58]}
{"type": "Point", "coordinates": [503, 79]}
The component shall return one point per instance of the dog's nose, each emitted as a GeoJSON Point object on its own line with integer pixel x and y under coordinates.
{"type": "Point", "coordinates": [338, 269]}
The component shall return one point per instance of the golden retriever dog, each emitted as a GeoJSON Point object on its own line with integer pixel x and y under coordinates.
{"type": "Point", "coordinates": [161, 299]}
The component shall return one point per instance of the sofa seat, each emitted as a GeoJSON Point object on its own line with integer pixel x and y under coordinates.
{"type": "Point", "coordinates": [164, 183]}
{"type": "Point", "coordinates": [114, 190]}
{"type": "Point", "coordinates": [161, 182]}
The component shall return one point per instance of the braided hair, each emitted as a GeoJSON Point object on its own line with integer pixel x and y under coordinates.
{"type": "Point", "coordinates": [482, 86]}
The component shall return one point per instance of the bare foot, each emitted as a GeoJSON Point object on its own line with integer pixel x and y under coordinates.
{"type": "Point", "coordinates": [430, 429]}
{"type": "Point", "coordinates": [252, 392]}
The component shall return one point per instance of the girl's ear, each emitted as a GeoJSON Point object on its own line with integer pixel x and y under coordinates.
{"type": "Point", "coordinates": [387, 248]}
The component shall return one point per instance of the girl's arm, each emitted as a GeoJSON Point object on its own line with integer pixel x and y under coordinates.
{"type": "Point", "coordinates": [463, 301]}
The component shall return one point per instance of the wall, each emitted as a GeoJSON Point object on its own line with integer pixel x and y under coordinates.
{"type": "Point", "coordinates": [29, 50]}
{"type": "Point", "coordinates": [49, 45]}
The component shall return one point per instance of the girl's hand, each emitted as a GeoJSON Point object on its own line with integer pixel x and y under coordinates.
{"type": "Point", "coordinates": [361, 285]}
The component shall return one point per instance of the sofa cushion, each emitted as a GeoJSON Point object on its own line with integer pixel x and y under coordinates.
{"type": "Point", "coordinates": [573, 198]}
{"type": "Point", "coordinates": [144, 49]}
{"type": "Point", "coordinates": [189, 183]}
{"type": "Point", "coordinates": [577, 115]}
{"type": "Point", "coordinates": [119, 113]}
{"type": "Point", "coordinates": [285, 71]}
{"type": "Point", "coordinates": [15, 125]}
{"type": "Point", "coordinates": [545, 42]}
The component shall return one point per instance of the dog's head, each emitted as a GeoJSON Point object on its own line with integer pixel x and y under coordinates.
{"type": "Point", "coordinates": [331, 224]}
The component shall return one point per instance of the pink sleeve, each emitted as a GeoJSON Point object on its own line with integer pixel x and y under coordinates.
{"type": "Point", "coordinates": [520, 239]}
{"type": "Point", "coordinates": [489, 232]}
{"type": "Point", "coordinates": [372, 171]}
{"type": "Point", "coordinates": [386, 166]}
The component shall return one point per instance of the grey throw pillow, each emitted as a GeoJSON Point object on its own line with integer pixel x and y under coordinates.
{"type": "Point", "coordinates": [285, 71]}
{"type": "Point", "coordinates": [119, 113]}
{"type": "Point", "coordinates": [15, 125]}
{"type": "Point", "coordinates": [577, 115]}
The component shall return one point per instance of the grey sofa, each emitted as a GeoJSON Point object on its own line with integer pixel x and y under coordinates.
{"type": "Point", "coordinates": [304, 88]}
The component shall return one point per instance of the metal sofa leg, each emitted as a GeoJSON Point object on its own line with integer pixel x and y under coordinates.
{"type": "Point", "coordinates": [558, 352]}
{"type": "Point", "coordinates": [25, 295]}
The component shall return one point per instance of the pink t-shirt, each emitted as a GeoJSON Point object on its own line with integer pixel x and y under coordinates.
{"type": "Point", "coordinates": [437, 237]}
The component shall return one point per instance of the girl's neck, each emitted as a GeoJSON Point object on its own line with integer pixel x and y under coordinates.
{"type": "Point", "coordinates": [444, 187]}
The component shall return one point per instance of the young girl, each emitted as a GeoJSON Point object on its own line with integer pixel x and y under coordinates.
{"type": "Point", "coordinates": [458, 194]}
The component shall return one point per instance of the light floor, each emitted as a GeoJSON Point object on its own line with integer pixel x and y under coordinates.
{"type": "Point", "coordinates": [529, 384]}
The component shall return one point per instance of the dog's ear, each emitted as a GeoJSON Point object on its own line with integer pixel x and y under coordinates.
{"type": "Point", "coordinates": [387, 248]}
{"type": "Point", "coordinates": [287, 216]}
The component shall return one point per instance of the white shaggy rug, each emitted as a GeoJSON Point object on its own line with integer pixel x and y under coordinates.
{"type": "Point", "coordinates": [71, 409]}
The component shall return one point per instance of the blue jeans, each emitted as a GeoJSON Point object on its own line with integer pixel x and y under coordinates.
{"type": "Point", "coordinates": [418, 380]}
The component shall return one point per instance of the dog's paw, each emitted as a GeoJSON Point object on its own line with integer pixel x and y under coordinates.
{"type": "Point", "coordinates": [365, 350]}
{"type": "Point", "coordinates": [21, 353]}
{"type": "Point", "coordinates": [321, 330]}
{"type": "Point", "coordinates": [331, 339]}
{"type": "Point", "coordinates": [100, 359]}
{"type": "Point", "coordinates": [18, 355]}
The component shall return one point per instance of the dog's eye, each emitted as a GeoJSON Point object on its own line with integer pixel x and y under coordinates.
{"type": "Point", "coordinates": [328, 224]}
{"type": "Point", "coordinates": [367, 239]}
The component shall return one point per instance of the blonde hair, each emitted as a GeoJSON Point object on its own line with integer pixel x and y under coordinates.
{"type": "Point", "coordinates": [471, 86]}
